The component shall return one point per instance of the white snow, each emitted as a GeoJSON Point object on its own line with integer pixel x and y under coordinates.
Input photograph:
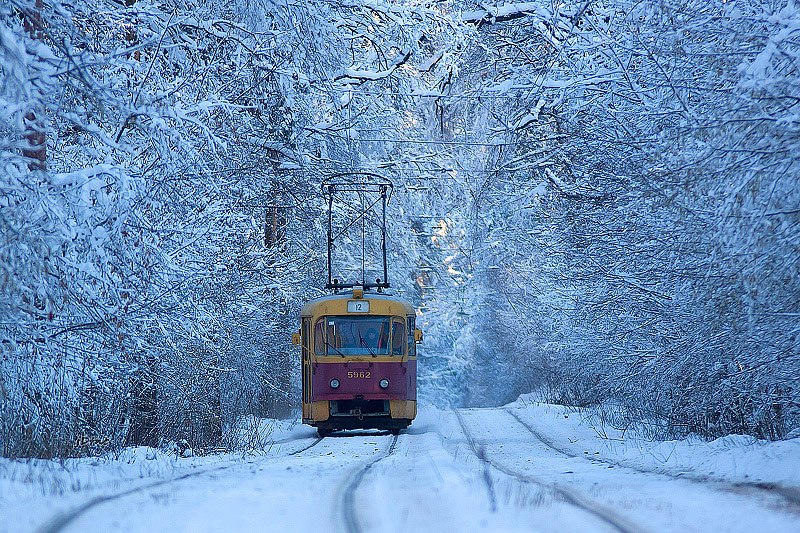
{"type": "Point", "coordinates": [734, 459]}
{"type": "Point", "coordinates": [433, 481]}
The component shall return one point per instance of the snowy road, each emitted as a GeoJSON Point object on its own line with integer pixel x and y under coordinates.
{"type": "Point", "coordinates": [509, 469]}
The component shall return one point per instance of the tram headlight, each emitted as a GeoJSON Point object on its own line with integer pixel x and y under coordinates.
{"type": "Point", "coordinates": [334, 383]}
{"type": "Point", "coordinates": [384, 383]}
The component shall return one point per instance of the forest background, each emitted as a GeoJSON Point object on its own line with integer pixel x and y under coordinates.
{"type": "Point", "coordinates": [595, 200]}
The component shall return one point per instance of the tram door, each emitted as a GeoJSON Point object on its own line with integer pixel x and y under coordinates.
{"type": "Point", "coordinates": [306, 363]}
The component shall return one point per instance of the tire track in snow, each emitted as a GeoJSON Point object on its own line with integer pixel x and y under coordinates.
{"type": "Point", "coordinates": [573, 498]}
{"type": "Point", "coordinates": [790, 494]}
{"type": "Point", "coordinates": [349, 501]}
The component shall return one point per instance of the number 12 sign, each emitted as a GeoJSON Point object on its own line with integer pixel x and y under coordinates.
{"type": "Point", "coordinates": [358, 306]}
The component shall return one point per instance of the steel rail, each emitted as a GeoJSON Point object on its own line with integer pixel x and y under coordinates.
{"type": "Point", "coordinates": [349, 500]}
{"type": "Point", "coordinates": [61, 520]}
{"type": "Point", "coordinates": [317, 440]}
{"type": "Point", "coordinates": [480, 452]}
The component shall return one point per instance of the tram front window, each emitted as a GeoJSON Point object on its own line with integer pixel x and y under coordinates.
{"type": "Point", "coordinates": [346, 335]}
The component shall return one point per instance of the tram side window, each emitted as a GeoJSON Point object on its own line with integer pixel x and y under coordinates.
{"type": "Point", "coordinates": [306, 325]}
{"type": "Point", "coordinates": [398, 336]}
{"type": "Point", "coordinates": [412, 345]}
{"type": "Point", "coordinates": [319, 337]}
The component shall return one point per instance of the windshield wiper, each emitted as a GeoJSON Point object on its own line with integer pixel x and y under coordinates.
{"type": "Point", "coordinates": [329, 345]}
{"type": "Point", "coordinates": [365, 344]}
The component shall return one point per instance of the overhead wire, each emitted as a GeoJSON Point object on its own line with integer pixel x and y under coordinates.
{"type": "Point", "coordinates": [330, 87]}
{"type": "Point", "coordinates": [481, 96]}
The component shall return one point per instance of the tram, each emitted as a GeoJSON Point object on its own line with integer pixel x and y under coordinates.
{"type": "Point", "coordinates": [359, 362]}
{"type": "Point", "coordinates": [358, 345]}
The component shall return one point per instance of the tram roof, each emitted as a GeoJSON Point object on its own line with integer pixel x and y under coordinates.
{"type": "Point", "coordinates": [309, 306]}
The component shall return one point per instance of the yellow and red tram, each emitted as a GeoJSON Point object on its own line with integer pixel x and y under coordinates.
{"type": "Point", "coordinates": [359, 361]}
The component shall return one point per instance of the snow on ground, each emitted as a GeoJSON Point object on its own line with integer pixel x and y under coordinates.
{"type": "Point", "coordinates": [475, 469]}
{"type": "Point", "coordinates": [735, 458]}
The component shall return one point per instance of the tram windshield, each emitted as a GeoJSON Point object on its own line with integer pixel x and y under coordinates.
{"type": "Point", "coordinates": [359, 335]}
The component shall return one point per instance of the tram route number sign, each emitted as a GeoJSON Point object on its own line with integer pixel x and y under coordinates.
{"type": "Point", "coordinates": [358, 306]}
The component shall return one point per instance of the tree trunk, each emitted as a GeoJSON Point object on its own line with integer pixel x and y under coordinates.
{"type": "Point", "coordinates": [143, 410]}
{"type": "Point", "coordinates": [35, 131]}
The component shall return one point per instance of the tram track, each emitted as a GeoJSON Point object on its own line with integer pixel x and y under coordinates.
{"type": "Point", "coordinates": [59, 522]}
{"type": "Point", "coordinates": [570, 496]}
{"type": "Point", "coordinates": [351, 522]}
{"type": "Point", "coordinates": [790, 495]}
{"type": "Point", "coordinates": [317, 440]}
